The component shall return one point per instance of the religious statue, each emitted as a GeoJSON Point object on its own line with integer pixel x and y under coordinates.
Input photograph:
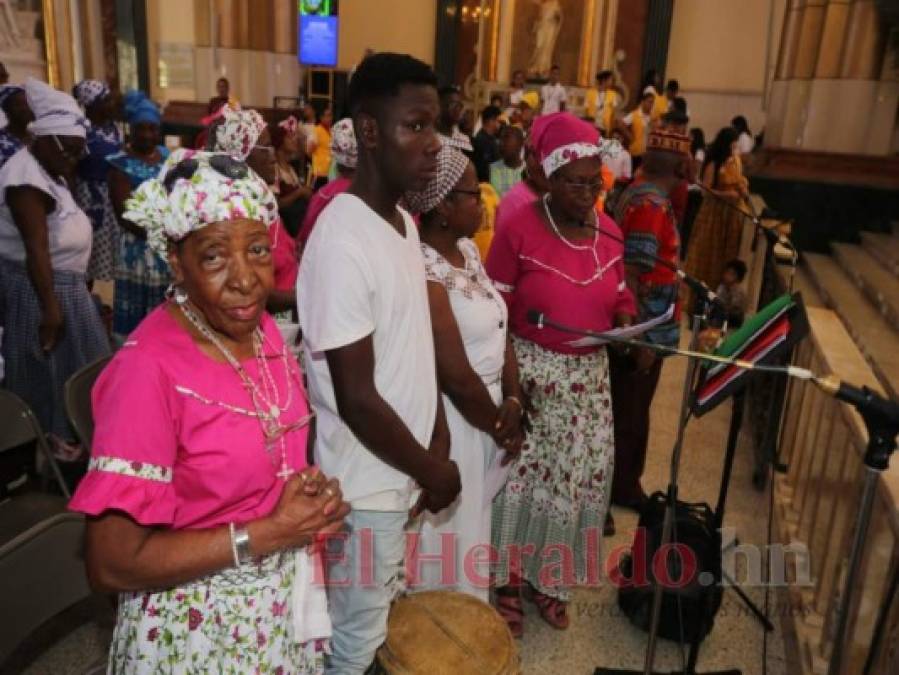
{"type": "Point", "coordinates": [546, 33]}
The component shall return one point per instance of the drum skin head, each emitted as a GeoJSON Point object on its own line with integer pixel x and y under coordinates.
{"type": "Point", "coordinates": [447, 633]}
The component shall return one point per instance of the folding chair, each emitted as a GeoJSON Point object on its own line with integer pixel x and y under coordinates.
{"type": "Point", "coordinates": [41, 574]}
{"type": "Point", "coordinates": [20, 426]}
{"type": "Point", "coordinates": [77, 396]}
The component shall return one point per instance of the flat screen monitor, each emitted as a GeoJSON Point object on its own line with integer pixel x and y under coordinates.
{"type": "Point", "coordinates": [318, 29]}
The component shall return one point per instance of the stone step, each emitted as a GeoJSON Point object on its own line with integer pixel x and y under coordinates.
{"type": "Point", "coordinates": [875, 338]}
{"type": "Point", "coordinates": [884, 247]}
{"type": "Point", "coordinates": [880, 287]}
{"type": "Point", "coordinates": [802, 283]}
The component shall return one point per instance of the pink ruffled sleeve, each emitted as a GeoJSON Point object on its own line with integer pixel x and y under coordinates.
{"type": "Point", "coordinates": [135, 442]}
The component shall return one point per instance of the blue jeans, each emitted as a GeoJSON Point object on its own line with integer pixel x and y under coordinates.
{"type": "Point", "coordinates": [366, 572]}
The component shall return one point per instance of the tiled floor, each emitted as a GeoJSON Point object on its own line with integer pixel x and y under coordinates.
{"type": "Point", "coordinates": [599, 635]}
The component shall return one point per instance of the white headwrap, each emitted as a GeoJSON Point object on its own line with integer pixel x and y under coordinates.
{"type": "Point", "coordinates": [55, 113]}
{"type": "Point", "coordinates": [171, 209]}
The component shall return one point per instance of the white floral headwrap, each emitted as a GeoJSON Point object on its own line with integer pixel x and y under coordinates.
{"type": "Point", "coordinates": [343, 143]}
{"type": "Point", "coordinates": [290, 124]}
{"type": "Point", "coordinates": [238, 132]}
{"type": "Point", "coordinates": [169, 210]}
{"type": "Point", "coordinates": [450, 166]}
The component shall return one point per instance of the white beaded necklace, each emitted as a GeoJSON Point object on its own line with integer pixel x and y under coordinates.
{"type": "Point", "coordinates": [266, 400]}
{"type": "Point", "coordinates": [569, 244]}
{"type": "Point", "coordinates": [600, 267]}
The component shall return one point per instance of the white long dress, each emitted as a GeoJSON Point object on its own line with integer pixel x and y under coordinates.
{"type": "Point", "coordinates": [482, 318]}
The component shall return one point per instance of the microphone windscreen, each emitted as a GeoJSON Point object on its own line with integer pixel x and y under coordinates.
{"type": "Point", "coordinates": [535, 317]}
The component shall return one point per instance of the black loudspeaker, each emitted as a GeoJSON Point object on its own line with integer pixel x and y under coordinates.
{"type": "Point", "coordinates": [690, 571]}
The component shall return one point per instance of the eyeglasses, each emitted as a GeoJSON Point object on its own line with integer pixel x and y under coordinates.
{"type": "Point", "coordinates": [224, 165]}
{"type": "Point", "coordinates": [592, 186]}
{"type": "Point", "coordinates": [74, 155]}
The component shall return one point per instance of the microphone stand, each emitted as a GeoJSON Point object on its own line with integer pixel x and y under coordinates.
{"type": "Point", "coordinates": [882, 423]}
{"type": "Point", "coordinates": [699, 312]}
{"type": "Point", "coordinates": [705, 298]}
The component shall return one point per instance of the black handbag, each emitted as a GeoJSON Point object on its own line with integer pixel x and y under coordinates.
{"type": "Point", "coordinates": [692, 591]}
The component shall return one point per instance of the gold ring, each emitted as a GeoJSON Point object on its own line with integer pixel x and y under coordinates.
{"type": "Point", "coordinates": [329, 491]}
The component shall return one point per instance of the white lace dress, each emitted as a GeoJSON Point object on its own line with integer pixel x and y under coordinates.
{"type": "Point", "coordinates": [482, 318]}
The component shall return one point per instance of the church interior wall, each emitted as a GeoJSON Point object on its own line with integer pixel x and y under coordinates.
{"type": "Point", "coordinates": [721, 54]}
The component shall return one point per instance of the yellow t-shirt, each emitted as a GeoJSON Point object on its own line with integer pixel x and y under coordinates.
{"type": "Point", "coordinates": [321, 156]}
{"type": "Point", "coordinates": [659, 107]}
{"type": "Point", "coordinates": [607, 113]}
{"type": "Point", "coordinates": [639, 130]}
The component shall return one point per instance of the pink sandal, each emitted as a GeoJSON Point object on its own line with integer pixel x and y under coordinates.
{"type": "Point", "coordinates": [553, 610]}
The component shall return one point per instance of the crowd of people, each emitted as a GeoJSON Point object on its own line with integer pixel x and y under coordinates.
{"type": "Point", "coordinates": [410, 248]}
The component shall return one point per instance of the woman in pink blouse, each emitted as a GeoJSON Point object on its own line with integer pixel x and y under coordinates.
{"type": "Point", "coordinates": [201, 501]}
{"type": "Point", "coordinates": [557, 259]}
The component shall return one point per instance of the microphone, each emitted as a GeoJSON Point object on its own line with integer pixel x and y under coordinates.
{"type": "Point", "coordinates": [870, 404]}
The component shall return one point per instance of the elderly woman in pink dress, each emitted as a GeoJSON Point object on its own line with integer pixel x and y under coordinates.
{"type": "Point", "coordinates": [557, 259]}
{"type": "Point", "coordinates": [202, 507]}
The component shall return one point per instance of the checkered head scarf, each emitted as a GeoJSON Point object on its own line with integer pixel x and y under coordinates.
{"type": "Point", "coordinates": [343, 143]}
{"type": "Point", "coordinates": [450, 166]}
{"type": "Point", "coordinates": [195, 189]}
{"type": "Point", "coordinates": [238, 132]}
{"type": "Point", "coordinates": [88, 92]}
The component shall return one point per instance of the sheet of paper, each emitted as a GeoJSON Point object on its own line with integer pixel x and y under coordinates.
{"type": "Point", "coordinates": [630, 332]}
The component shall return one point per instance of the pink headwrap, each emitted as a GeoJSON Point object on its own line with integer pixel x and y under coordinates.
{"type": "Point", "coordinates": [561, 138]}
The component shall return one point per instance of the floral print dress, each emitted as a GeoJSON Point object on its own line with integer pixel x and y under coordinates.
{"type": "Point", "coordinates": [548, 520]}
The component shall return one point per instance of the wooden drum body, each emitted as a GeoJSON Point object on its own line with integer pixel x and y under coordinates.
{"type": "Point", "coordinates": [447, 633]}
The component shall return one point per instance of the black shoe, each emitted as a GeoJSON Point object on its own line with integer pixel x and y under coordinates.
{"type": "Point", "coordinates": [608, 529]}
